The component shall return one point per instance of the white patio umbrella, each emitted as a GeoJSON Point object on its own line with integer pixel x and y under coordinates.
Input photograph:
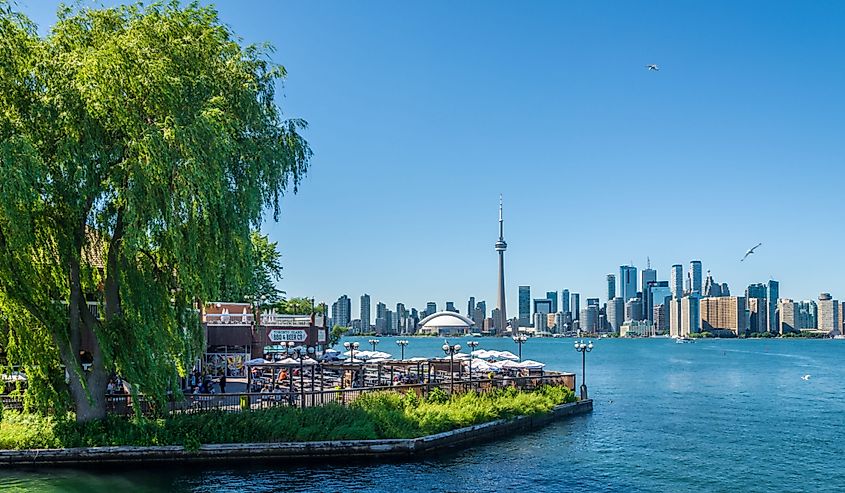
{"type": "Point", "coordinates": [308, 361]}
{"type": "Point", "coordinates": [256, 361]}
{"type": "Point", "coordinates": [508, 365]}
{"type": "Point", "coordinates": [507, 355]}
{"type": "Point", "coordinates": [531, 365]}
{"type": "Point", "coordinates": [288, 362]}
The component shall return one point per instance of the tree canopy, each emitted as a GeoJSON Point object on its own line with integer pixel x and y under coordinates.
{"type": "Point", "coordinates": [139, 148]}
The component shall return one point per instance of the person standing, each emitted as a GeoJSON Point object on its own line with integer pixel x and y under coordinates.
{"type": "Point", "coordinates": [223, 383]}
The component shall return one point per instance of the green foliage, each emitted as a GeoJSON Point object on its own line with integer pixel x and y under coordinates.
{"type": "Point", "coordinates": [139, 148]}
{"type": "Point", "coordinates": [260, 285]}
{"type": "Point", "coordinates": [299, 306]}
{"type": "Point", "coordinates": [336, 334]}
{"type": "Point", "coordinates": [370, 416]}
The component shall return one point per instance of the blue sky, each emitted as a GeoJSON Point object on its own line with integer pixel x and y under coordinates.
{"type": "Point", "coordinates": [422, 113]}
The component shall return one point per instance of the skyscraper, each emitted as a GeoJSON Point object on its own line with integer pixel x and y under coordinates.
{"type": "Point", "coordinates": [611, 287]}
{"type": "Point", "coordinates": [615, 313]}
{"type": "Point", "coordinates": [828, 318]}
{"type": "Point", "coordinates": [627, 282]}
{"type": "Point", "coordinates": [655, 293]}
{"type": "Point", "coordinates": [365, 312]}
{"type": "Point", "coordinates": [575, 305]}
{"type": "Point", "coordinates": [552, 295]}
{"type": "Point", "coordinates": [772, 295]}
{"type": "Point", "coordinates": [646, 276]}
{"type": "Point", "coordinates": [564, 301]}
{"type": "Point", "coordinates": [430, 307]}
{"type": "Point", "coordinates": [450, 307]}
{"type": "Point", "coordinates": [524, 306]}
{"type": "Point", "coordinates": [501, 246]}
{"type": "Point", "coordinates": [695, 276]}
{"type": "Point", "coordinates": [676, 281]}
{"type": "Point", "coordinates": [342, 311]}
{"type": "Point", "coordinates": [471, 307]}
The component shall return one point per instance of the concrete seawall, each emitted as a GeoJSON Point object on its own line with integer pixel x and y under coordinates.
{"type": "Point", "coordinates": [363, 449]}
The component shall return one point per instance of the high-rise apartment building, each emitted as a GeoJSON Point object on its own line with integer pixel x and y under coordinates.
{"type": "Point", "coordinates": [725, 313]}
{"type": "Point", "coordinates": [589, 319]}
{"type": "Point", "coordinates": [450, 307]}
{"type": "Point", "coordinates": [342, 311]}
{"type": "Point", "coordinates": [430, 308]}
{"type": "Point", "coordinates": [690, 315]}
{"type": "Point", "coordinates": [627, 282]}
{"type": "Point", "coordinates": [471, 306]}
{"type": "Point", "coordinates": [611, 286]}
{"type": "Point", "coordinates": [524, 306]}
{"type": "Point", "coordinates": [828, 318]}
{"type": "Point", "coordinates": [788, 313]}
{"type": "Point", "coordinates": [381, 309]}
{"type": "Point", "coordinates": [758, 314]}
{"type": "Point", "coordinates": [676, 281]}
{"type": "Point", "coordinates": [564, 301]}
{"type": "Point", "coordinates": [365, 313]}
{"type": "Point", "coordinates": [695, 276]}
{"type": "Point", "coordinates": [575, 305]}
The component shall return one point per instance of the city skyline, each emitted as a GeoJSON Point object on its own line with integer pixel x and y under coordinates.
{"type": "Point", "coordinates": [503, 100]}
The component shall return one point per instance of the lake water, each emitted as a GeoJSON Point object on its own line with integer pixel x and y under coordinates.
{"type": "Point", "coordinates": [716, 415]}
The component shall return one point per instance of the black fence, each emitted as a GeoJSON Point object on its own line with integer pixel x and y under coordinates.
{"type": "Point", "coordinates": [197, 403]}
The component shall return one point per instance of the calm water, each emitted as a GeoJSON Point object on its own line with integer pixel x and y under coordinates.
{"type": "Point", "coordinates": [721, 415]}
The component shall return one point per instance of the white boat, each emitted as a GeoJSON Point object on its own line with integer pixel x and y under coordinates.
{"type": "Point", "coordinates": [683, 340]}
{"type": "Point", "coordinates": [475, 334]}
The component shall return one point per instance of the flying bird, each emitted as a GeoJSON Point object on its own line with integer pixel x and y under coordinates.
{"type": "Point", "coordinates": [653, 66]}
{"type": "Point", "coordinates": [749, 252]}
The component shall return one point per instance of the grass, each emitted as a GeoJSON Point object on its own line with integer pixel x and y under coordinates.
{"type": "Point", "coordinates": [371, 416]}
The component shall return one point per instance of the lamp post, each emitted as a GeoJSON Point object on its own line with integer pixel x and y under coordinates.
{"type": "Point", "coordinates": [351, 347]}
{"type": "Point", "coordinates": [520, 340]}
{"type": "Point", "coordinates": [402, 343]}
{"type": "Point", "coordinates": [583, 349]}
{"type": "Point", "coordinates": [374, 343]}
{"type": "Point", "coordinates": [472, 345]}
{"type": "Point", "coordinates": [451, 351]}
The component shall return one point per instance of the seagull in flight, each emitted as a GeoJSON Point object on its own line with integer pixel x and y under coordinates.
{"type": "Point", "coordinates": [749, 252]}
{"type": "Point", "coordinates": [653, 66]}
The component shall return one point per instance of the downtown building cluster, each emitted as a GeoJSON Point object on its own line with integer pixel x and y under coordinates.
{"type": "Point", "coordinates": [687, 303]}
{"type": "Point", "coordinates": [406, 321]}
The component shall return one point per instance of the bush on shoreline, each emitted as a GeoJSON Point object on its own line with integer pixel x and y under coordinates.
{"type": "Point", "coordinates": [371, 416]}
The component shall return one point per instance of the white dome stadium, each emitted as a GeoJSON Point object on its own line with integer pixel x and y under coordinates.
{"type": "Point", "coordinates": [446, 324]}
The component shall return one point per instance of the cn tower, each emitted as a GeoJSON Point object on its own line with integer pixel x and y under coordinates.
{"type": "Point", "coordinates": [501, 246]}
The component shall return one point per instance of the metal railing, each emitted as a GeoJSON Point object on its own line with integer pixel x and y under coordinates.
{"type": "Point", "coordinates": [229, 318]}
{"type": "Point", "coordinates": [238, 402]}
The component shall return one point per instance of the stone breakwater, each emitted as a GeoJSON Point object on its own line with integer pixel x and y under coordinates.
{"type": "Point", "coordinates": [232, 452]}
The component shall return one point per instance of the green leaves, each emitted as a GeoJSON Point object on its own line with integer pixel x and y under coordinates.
{"type": "Point", "coordinates": [148, 135]}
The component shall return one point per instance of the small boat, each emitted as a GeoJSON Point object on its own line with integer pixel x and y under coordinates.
{"type": "Point", "coordinates": [683, 340]}
{"type": "Point", "coordinates": [475, 334]}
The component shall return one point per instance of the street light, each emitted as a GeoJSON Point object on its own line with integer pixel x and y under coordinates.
{"type": "Point", "coordinates": [351, 347]}
{"type": "Point", "coordinates": [583, 349]}
{"type": "Point", "coordinates": [520, 340]}
{"type": "Point", "coordinates": [402, 343]}
{"type": "Point", "coordinates": [300, 355]}
{"type": "Point", "coordinates": [472, 345]}
{"type": "Point", "coordinates": [374, 342]}
{"type": "Point", "coordinates": [451, 351]}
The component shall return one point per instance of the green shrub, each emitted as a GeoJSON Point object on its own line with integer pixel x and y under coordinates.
{"type": "Point", "coordinates": [370, 416]}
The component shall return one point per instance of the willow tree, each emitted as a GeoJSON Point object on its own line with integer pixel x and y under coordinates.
{"type": "Point", "coordinates": [139, 146]}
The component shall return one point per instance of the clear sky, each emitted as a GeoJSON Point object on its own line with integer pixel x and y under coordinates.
{"type": "Point", "coordinates": [421, 113]}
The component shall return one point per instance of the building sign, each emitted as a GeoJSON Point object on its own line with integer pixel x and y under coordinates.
{"type": "Point", "coordinates": [321, 336]}
{"type": "Point", "coordinates": [280, 335]}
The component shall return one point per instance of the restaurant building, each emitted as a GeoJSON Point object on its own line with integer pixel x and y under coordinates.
{"type": "Point", "coordinates": [237, 332]}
